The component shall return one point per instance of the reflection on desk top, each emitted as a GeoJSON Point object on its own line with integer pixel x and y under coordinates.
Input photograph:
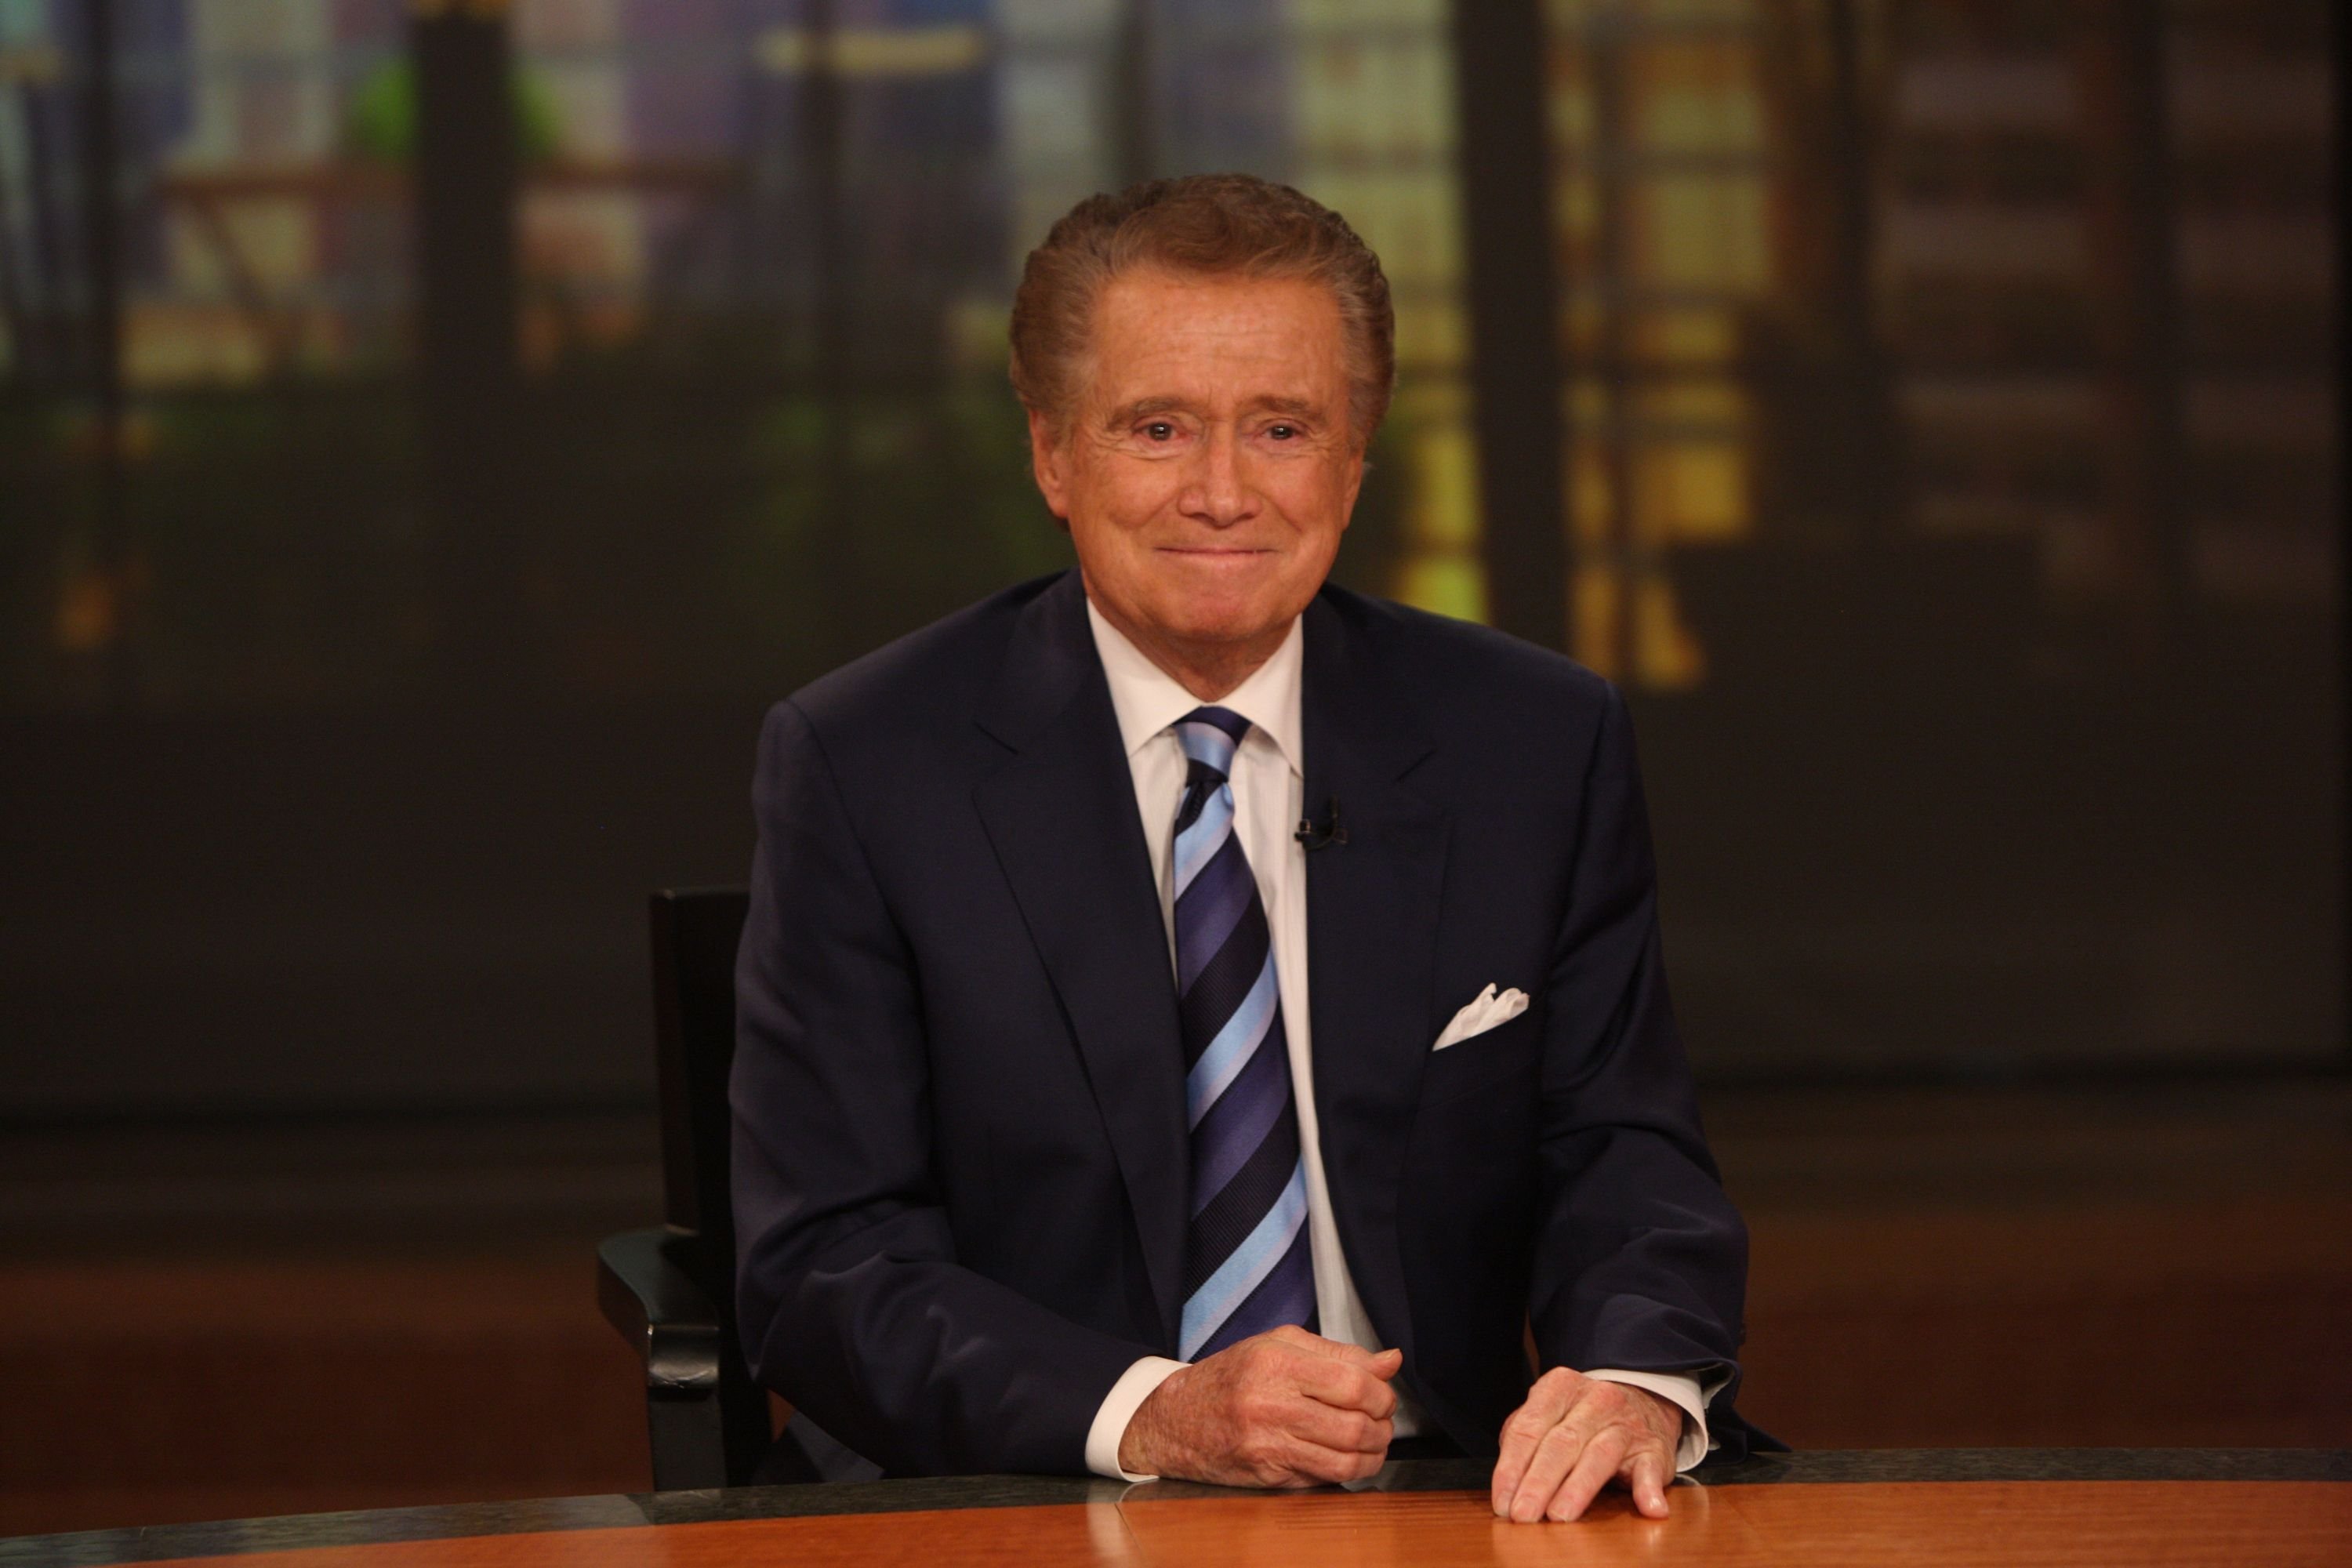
{"type": "Point", "coordinates": [1880, 1472]}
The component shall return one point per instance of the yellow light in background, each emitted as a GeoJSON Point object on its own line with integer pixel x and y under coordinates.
{"type": "Point", "coordinates": [1430, 336]}
{"type": "Point", "coordinates": [1446, 584]}
{"type": "Point", "coordinates": [1686, 336]}
{"type": "Point", "coordinates": [1669, 657]}
{"type": "Point", "coordinates": [1594, 599]}
{"type": "Point", "coordinates": [1697, 95]}
{"type": "Point", "coordinates": [1589, 493]}
{"type": "Point", "coordinates": [877, 51]}
{"type": "Point", "coordinates": [1693, 490]}
{"type": "Point", "coordinates": [1445, 488]}
{"type": "Point", "coordinates": [1665, 458]}
{"type": "Point", "coordinates": [1442, 569]}
{"type": "Point", "coordinates": [1703, 231]}
{"type": "Point", "coordinates": [1715, 403]}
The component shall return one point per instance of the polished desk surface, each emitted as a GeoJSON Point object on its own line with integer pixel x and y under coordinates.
{"type": "Point", "coordinates": [2264, 1506]}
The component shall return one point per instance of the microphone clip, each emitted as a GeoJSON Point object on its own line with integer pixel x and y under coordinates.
{"type": "Point", "coordinates": [1317, 835]}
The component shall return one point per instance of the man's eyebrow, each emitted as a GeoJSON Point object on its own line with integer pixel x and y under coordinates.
{"type": "Point", "coordinates": [1273, 402]}
{"type": "Point", "coordinates": [1142, 408]}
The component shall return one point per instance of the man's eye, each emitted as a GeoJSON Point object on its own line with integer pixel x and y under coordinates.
{"type": "Point", "coordinates": [1160, 431]}
{"type": "Point", "coordinates": [1282, 432]}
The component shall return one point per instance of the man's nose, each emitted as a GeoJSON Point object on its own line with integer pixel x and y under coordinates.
{"type": "Point", "coordinates": [1218, 493]}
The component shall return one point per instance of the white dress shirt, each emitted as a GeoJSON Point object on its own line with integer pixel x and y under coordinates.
{"type": "Point", "coordinates": [1269, 784]}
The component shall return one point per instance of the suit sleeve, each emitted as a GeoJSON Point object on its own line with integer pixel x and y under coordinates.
{"type": "Point", "coordinates": [849, 1298]}
{"type": "Point", "coordinates": [1640, 1259]}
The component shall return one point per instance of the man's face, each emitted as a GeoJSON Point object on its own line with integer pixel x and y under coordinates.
{"type": "Point", "coordinates": [1210, 467]}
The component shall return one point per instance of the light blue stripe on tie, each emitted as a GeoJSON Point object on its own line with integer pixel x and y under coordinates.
{"type": "Point", "coordinates": [1205, 837]}
{"type": "Point", "coordinates": [1233, 1047]}
{"type": "Point", "coordinates": [1246, 1269]}
{"type": "Point", "coordinates": [1205, 744]}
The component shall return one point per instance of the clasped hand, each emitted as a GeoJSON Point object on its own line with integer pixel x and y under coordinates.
{"type": "Point", "coordinates": [1293, 1409]}
{"type": "Point", "coordinates": [1282, 1409]}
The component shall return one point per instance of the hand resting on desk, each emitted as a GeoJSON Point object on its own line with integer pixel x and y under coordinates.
{"type": "Point", "coordinates": [1577, 1433]}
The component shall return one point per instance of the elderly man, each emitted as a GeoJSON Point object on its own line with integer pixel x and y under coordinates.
{"type": "Point", "coordinates": [1196, 1021]}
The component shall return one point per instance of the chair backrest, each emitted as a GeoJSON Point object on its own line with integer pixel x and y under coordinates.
{"type": "Point", "coordinates": [694, 943]}
{"type": "Point", "coordinates": [694, 933]}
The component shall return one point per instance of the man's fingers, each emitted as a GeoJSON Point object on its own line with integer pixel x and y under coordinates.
{"type": "Point", "coordinates": [1521, 1433]}
{"type": "Point", "coordinates": [1295, 1461]}
{"type": "Point", "coordinates": [1557, 1452]}
{"type": "Point", "coordinates": [1592, 1472]}
{"type": "Point", "coordinates": [1343, 1431]}
{"type": "Point", "coordinates": [1336, 1466]}
{"type": "Point", "coordinates": [1348, 1387]}
{"type": "Point", "coordinates": [1647, 1478]}
{"type": "Point", "coordinates": [1547, 1403]}
{"type": "Point", "coordinates": [1510, 1465]}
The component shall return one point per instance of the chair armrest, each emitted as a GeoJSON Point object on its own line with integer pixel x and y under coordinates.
{"type": "Point", "coordinates": [659, 1306]}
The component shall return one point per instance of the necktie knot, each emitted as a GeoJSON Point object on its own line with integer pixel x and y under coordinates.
{"type": "Point", "coordinates": [1209, 736]}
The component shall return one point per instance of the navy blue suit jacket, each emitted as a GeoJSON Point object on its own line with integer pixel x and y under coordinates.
{"type": "Point", "coordinates": [959, 1152]}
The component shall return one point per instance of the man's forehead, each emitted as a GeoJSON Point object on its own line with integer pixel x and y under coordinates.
{"type": "Point", "coordinates": [1197, 299]}
{"type": "Point", "coordinates": [1161, 339]}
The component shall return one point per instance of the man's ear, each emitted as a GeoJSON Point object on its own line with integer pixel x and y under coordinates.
{"type": "Point", "coordinates": [1046, 462]}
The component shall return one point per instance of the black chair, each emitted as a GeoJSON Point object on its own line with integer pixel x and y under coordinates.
{"type": "Point", "coordinates": [670, 1290]}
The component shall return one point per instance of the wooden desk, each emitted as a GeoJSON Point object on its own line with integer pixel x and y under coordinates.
{"type": "Point", "coordinates": [2270, 1507]}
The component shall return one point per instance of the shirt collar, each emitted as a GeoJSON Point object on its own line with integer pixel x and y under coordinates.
{"type": "Point", "coordinates": [1148, 700]}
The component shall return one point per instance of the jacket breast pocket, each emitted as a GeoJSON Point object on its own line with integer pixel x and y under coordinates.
{"type": "Point", "coordinates": [1502, 1055]}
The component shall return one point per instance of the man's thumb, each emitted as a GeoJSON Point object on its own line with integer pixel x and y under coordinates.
{"type": "Point", "coordinates": [1380, 1364]}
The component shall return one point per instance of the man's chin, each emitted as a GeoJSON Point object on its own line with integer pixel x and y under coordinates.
{"type": "Point", "coordinates": [1235, 632]}
{"type": "Point", "coordinates": [1246, 614]}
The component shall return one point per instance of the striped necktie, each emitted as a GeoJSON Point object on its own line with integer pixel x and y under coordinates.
{"type": "Point", "coordinates": [1247, 1266]}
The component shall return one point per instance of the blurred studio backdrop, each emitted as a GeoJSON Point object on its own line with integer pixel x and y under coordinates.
{"type": "Point", "coordinates": [431, 432]}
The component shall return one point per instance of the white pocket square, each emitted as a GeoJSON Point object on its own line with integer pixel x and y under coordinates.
{"type": "Point", "coordinates": [1484, 1013]}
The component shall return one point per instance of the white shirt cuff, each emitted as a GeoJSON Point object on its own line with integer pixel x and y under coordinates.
{"type": "Point", "coordinates": [1677, 1388]}
{"type": "Point", "coordinates": [1119, 1407]}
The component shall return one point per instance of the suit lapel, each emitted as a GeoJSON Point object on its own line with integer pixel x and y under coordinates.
{"type": "Point", "coordinates": [1372, 913]}
{"type": "Point", "coordinates": [1061, 816]}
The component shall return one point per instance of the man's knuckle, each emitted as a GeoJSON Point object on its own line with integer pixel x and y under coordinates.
{"type": "Point", "coordinates": [1559, 1440]}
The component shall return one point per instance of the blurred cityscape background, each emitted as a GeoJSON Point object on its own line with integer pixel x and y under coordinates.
{"type": "Point", "coordinates": [431, 431]}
